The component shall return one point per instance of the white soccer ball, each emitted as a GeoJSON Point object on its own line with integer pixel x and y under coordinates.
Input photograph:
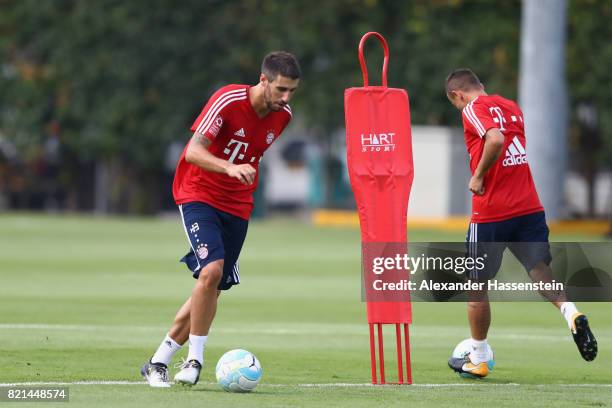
{"type": "Point", "coordinates": [238, 371]}
{"type": "Point", "coordinates": [465, 347]}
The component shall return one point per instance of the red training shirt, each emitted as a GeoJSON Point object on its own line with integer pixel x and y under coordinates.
{"type": "Point", "coordinates": [509, 190]}
{"type": "Point", "coordinates": [238, 135]}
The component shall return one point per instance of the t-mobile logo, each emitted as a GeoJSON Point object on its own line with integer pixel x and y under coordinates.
{"type": "Point", "coordinates": [235, 152]}
{"type": "Point", "coordinates": [377, 142]}
{"type": "Point", "coordinates": [498, 117]}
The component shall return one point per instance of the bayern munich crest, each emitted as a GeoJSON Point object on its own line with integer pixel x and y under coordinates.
{"type": "Point", "coordinates": [202, 251]}
{"type": "Point", "coordinates": [215, 127]}
{"type": "Point", "coordinates": [270, 137]}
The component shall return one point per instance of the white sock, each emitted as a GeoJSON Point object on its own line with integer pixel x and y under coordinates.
{"type": "Point", "coordinates": [479, 351]}
{"type": "Point", "coordinates": [166, 350]}
{"type": "Point", "coordinates": [196, 348]}
{"type": "Point", "coordinates": [568, 310]}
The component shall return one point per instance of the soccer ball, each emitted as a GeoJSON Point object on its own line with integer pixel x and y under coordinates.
{"type": "Point", "coordinates": [238, 371]}
{"type": "Point", "coordinates": [465, 347]}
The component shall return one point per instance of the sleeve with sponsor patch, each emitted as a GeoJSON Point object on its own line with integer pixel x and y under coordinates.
{"type": "Point", "coordinates": [210, 121]}
{"type": "Point", "coordinates": [478, 118]}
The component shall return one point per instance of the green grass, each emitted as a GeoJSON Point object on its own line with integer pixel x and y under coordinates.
{"type": "Point", "coordinates": [104, 290]}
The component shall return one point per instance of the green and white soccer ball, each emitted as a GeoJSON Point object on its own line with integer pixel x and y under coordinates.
{"type": "Point", "coordinates": [238, 371]}
{"type": "Point", "coordinates": [465, 347]}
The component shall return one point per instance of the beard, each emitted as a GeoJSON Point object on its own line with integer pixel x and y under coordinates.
{"type": "Point", "coordinates": [271, 105]}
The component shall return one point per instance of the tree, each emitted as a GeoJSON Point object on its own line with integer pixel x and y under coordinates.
{"type": "Point", "coordinates": [123, 80]}
{"type": "Point", "coordinates": [589, 54]}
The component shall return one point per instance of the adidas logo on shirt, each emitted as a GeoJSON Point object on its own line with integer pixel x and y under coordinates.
{"type": "Point", "coordinates": [239, 133]}
{"type": "Point", "coordinates": [515, 154]}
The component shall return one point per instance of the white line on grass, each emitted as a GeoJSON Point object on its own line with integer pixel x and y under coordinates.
{"type": "Point", "coordinates": [482, 384]}
{"type": "Point", "coordinates": [307, 329]}
{"type": "Point", "coordinates": [313, 385]}
{"type": "Point", "coordinates": [86, 328]}
{"type": "Point", "coordinates": [83, 327]}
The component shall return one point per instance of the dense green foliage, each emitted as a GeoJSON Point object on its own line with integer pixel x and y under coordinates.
{"type": "Point", "coordinates": [121, 80]}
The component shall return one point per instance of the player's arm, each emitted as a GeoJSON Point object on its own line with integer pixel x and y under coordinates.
{"type": "Point", "coordinates": [198, 154]}
{"type": "Point", "coordinates": [493, 147]}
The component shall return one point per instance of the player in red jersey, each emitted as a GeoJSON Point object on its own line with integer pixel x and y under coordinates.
{"type": "Point", "coordinates": [213, 188]}
{"type": "Point", "coordinates": [506, 211]}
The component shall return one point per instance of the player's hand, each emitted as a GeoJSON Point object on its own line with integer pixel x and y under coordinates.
{"type": "Point", "coordinates": [476, 185]}
{"type": "Point", "coordinates": [243, 172]}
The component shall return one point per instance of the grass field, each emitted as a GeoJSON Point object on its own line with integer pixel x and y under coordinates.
{"type": "Point", "coordinates": [86, 300]}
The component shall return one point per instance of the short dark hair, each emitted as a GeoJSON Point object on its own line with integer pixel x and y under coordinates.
{"type": "Point", "coordinates": [280, 63]}
{"type": "Point", "coordinates": [462, 79]}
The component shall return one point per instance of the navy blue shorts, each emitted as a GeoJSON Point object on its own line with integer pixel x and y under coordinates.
{"type": "Point", "coordinates": [213, 234]}
{"type": "Point", "coordinates": [526, 236]}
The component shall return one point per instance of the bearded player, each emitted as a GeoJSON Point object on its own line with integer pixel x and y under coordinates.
{"type": "Point", "coordinates": [213, 187]}
{"type": "Point", "coordinates": [506, 211]}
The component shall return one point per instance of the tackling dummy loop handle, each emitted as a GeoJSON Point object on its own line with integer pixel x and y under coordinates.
{"type": "Point", "coordinates": [364, 68]}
